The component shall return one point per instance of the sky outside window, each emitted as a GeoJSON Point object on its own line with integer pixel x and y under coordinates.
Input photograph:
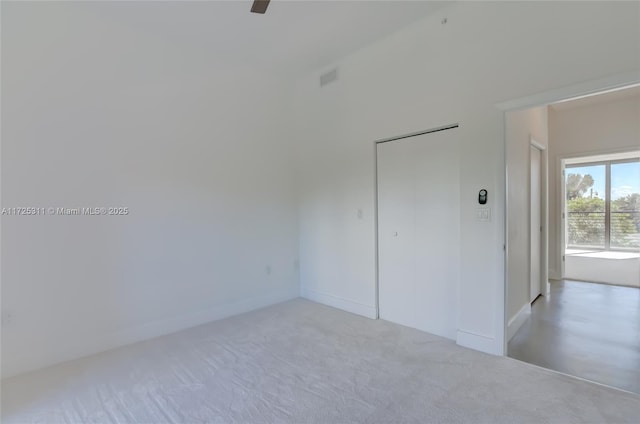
{"type": "Point", "coordinates": [625, 179]}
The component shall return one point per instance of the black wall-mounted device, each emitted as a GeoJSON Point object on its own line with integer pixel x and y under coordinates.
{"type": "Point", "coordinates": [482, 197]}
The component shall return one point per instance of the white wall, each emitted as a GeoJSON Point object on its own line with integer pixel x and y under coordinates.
{"type": "Point", "coordinates": [520, 127]}
{"type": "Point", "coordinates": [619, 271]}
{"type": "Point", "coordinates": [579, 131]}
{"type": "Point", "coordinates": [95, 114]}
{"type": "Point", "coordinates": [424, 76]}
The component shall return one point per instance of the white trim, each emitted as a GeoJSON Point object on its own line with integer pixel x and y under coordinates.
{"type": "Point", "coordinates": [599, 152]}
{"type": "Point", "coordinates": [517, 320]}
{"type": "Point", "coordinates": [376, 232]}
{"type": "Point", "coordinates": [545, 288]}
{"type": "Point", "coordinates": [337, 302]}
{"type": "Point", "coordinates": [607, 157]}
{"type": "Point", "coordinates": [502, 295]}
{"type": "Point", "coordinates": [561, 215]}
{"type": "Point", "coordinates": [537, 145]}
{"type": "Point", "coordinates": [85, 346]}
{"type": "Point", "coordinates": [479, 342]}
{"type": "Point", "coordinates": [584, 89]}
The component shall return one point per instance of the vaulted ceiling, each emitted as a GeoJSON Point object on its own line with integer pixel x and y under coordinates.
{"type": "Point", "coordinates": [292, 37]}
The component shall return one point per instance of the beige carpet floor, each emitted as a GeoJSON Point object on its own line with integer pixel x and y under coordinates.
{"type": "Point", "coordinates": [300, 362]}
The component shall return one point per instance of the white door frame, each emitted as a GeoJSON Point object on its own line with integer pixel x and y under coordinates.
{"type": "Point", "coordinates": [597, 86]}
{"type": "Point", "coordinates": [563, 217]}
{"type": "Point", "coordinates": [544, 215]}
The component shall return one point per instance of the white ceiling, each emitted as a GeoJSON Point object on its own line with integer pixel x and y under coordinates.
{"type": "Point", "coordinates": [610, 96]}
{"type": "Point", "coordinates": [292, 37]}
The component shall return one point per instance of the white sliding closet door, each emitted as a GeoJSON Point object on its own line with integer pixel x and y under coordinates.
{"type": "Point", "coordinates": [419, 231]}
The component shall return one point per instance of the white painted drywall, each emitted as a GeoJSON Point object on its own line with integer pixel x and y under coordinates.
{"type": "Point", "coordinates": [95, 114]}
{"type": "Point", "coordinates": [427, 75]}
{"type": "Point", "coordinates": [619, 271]}
{"type": "Point", "coordinates": [578, 131]}
{"type": "Point", "coordinates": [520, 128]}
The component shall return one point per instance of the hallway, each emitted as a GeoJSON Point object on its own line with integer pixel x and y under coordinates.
{"type": "Point", "coordinates": [587, 330]}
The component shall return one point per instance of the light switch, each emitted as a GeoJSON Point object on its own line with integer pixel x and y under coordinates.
{"type": "Point", "coordinates": [483, 214]}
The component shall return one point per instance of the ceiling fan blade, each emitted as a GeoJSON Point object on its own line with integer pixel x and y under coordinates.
{"type": "Point", "coordinates": [260, 6]}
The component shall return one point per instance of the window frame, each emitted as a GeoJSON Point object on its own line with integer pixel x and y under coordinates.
{"type": "Point", "coordinates": [607, 201]}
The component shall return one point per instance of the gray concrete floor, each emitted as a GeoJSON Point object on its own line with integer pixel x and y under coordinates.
{"type": "Point", "coordinates": [587, 330]}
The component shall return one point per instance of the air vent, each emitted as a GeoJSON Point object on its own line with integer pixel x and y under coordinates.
{"type": "Point", "coordinates": [328, 77]}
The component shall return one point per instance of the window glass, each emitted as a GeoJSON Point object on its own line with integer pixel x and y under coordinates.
{"type": "Point", "coordinates": [625, 205]}
{"type": "Point", "coordinates": [586, 191]}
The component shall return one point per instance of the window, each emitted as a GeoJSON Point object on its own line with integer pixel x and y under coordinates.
{"type": "Point", "coordinates": [603, 204]}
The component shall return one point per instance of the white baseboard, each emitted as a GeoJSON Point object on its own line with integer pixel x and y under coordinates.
{"type": "Point", "coordinates": [340, 303]}
{"type": "Point", "coordinates": [479, 342]}
{"type": "Point", "coordinates": [517, 320]}
{"type": "Point", "coordinates": [102, 342]}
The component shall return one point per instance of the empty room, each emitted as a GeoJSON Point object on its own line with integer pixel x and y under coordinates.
{"type": "Point", "coordinates": [319, 211]}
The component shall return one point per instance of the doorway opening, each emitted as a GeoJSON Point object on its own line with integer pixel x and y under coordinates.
{"type": "Point", "coordinates": [573, 236]}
